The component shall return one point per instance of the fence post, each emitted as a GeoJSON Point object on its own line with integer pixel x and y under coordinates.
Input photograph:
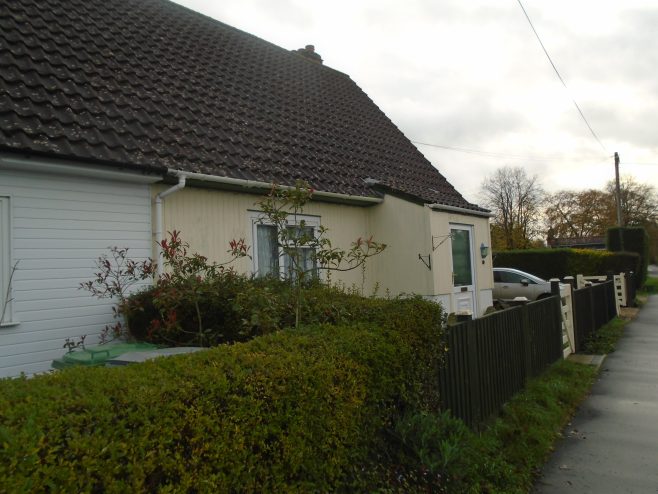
{"type": "Point", "coordinates": [527, 343]}
{"type": "Point", "coordinates": [473, 371]}
{"type": "Point", "coordinates": [592, 312]}
{"type": "Point", "coordinates": [563, 325]}
{"type": "Point", "coordinates": [610, 276]}
{"type": "Point", "coordinates": [570, 280]}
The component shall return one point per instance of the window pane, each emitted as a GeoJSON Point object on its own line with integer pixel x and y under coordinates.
{"type": "Point", "coordinates": [515, 278]}
{"type": "Point", "coordinates": [268, 250]}
{"type": "Point", "coordinates": [296, 232]}
{"type": "Point", "coordinates": [508, 277]}
{"type": "Point", "coordinates": [306, 261]}
{"type": "Point", "coordinates": [461, 257]}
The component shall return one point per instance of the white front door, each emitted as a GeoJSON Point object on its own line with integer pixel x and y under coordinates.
{"type": "Point", "coordinates": [463, 279]}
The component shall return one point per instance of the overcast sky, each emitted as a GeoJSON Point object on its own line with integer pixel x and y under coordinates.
{"type": "Point", "coordinates": [472, 75]}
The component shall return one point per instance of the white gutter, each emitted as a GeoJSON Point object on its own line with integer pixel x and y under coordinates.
{"type": "Point", "coordinates": [69, 168]}
{"type": "Point", "coordinates": [456, 209]}
{"type": "Point", "coordinates": [253, 184]}
{"type": "Point", "coordinates": [159, 223]}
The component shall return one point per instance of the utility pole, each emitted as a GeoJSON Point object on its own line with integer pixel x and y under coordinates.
{"type": "Point", "coordinates": [617, 190]}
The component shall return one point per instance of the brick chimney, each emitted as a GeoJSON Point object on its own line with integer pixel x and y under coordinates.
{"type": "Point", "coordinates": [308, 52]}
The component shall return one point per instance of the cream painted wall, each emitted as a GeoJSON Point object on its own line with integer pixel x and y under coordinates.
{"type": "Point", "coordinates": [404, 227]}
{"type": "Point", "coordinates": [209, 219]}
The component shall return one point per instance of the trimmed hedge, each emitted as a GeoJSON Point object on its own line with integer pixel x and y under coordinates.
{"type": "Point", "coordinates": [294, 411]}
{"type": "Point", "coordinates": [631, 239]}
{"type": "Point", "coordinates": [558, 263]}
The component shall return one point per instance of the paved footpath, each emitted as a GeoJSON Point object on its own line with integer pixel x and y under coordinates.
{"type": "Point", "coordinates": [611, 445]}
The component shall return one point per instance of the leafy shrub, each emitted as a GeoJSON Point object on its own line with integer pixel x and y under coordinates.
{"type": "Point", "coordinates": [293, 411]}
{"type": "Point", "coordinates": [233, 307]}
{"type": "Point", "coordinates": [197, 302]}
{"type": "Point", "coordinates": [435, 442]}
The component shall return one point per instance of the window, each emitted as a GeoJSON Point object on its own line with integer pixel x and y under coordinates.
{"type": "Point", "coordinates": [509, 277]}
{"type": "Point", "coordinates": [272, 259]}
{"type": "Point", "coordinates": [5, 263]}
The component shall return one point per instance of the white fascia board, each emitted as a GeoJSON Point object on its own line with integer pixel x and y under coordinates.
{"type": "Point", "coordinates": [73, 169]}
{"type": "Point", "coordinates": [455, 209]}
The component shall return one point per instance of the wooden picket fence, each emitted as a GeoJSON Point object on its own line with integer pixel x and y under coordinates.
{"type": "Point", "coordinates": [587, 305]}
{"type": "Point", "coordinates": [593, 306]}
{"type": "Point", "coordinates": [624, 286]}
{"type": "Point", "coordinates": [491, 358]}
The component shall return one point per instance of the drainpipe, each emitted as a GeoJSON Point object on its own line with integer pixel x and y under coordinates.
{"type": "Point", "coordinates": [159, 220]}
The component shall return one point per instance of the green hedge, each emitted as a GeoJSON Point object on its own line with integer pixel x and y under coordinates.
{"type": "Point", "coordinates": [294, 411]}
{"type": "Point", "coordinates": [558, 263]}
{"type": "Point", "coordinates": [237, 308]}
{"type": "Point", "coordinates": [631, 239]}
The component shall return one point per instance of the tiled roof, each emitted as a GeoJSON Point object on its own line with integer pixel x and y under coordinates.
{"type": "Point", "coordinates": [151, 83]}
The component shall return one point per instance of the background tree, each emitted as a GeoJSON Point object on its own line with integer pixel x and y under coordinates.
{"type": "Point", "coordinates": [639, 202]}
{"type": "Point", "coordinates": [515, 200]}
{"type": "Point", "coordinates": [591, 212]}
{"type": "Point", "coordinates": [584, 213]}
{"type": "Point", "coordinates": [639, 207]}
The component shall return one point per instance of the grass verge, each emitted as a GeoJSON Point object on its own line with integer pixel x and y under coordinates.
{"type": "Point", "coordinates": [517, 444]}
{"type": "Point", "coordinates": [650, 286]}
{"type": "Point", "coordinates": [605, 339]}
{"type": "Point", "coordinates": [508, 454]}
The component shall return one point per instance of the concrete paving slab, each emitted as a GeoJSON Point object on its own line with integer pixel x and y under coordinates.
{"type": "Point", "coordinates": [611, 445]}
{"type": "Point", "coordinates": [137, 357]}
{"type": "Point", "coordinates": [581, 358]}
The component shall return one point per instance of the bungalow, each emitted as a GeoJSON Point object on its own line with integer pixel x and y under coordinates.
{"type": "Point", "coordinates": [122, 120]}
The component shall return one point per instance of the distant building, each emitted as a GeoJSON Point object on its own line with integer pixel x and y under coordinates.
{"type": "Point", "coordinates": [592, 242]}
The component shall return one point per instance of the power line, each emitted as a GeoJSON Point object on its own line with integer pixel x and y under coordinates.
{"type": "Point", "coordinates": [484, 153]}
{"type": "Point", "coordinates": [490, 153]}
{"type": "Point", "coordinates": [562, 80]}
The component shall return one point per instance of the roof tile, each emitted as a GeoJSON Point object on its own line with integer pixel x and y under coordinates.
{"type": "Point", "coordinates": [151, 83]}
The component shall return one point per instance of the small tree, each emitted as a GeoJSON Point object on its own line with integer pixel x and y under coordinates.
{"type": "Point", "coordinates": [282, 208]}
{"type": "Point", "coordinates": [117, 274]}
{"type": "Point", "coordinates": [7, 298]}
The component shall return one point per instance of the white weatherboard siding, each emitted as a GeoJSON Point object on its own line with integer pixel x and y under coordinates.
{"type": "Point", "coordinates": [59, 226]}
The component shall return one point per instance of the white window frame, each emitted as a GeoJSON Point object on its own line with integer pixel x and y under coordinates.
{"type": "Point", "coordinates": [258, 218]}
{"type": "Point", "coordinates": [5, 262]}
